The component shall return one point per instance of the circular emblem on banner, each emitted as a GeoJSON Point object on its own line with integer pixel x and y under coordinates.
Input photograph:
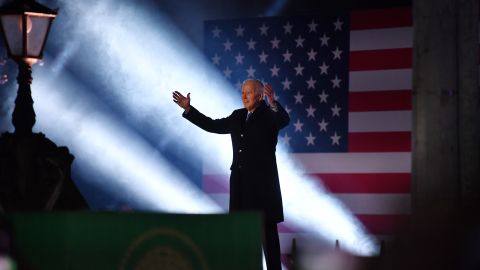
{"type": "Point", "coordinates": [164, 249]}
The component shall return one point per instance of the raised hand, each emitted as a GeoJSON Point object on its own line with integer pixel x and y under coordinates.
{"type": "Point", "coordinates": [181, 100]}
{"type": "Point", "coordinates": [268, 91]}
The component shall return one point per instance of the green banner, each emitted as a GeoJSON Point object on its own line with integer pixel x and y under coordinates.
{"type": "Point", "coordinates": [140, 241]}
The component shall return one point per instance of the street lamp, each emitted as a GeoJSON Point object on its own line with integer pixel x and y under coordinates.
{"type": "Point", "coordinates": [25, 27]}
{"type": "Point", "coordinates": [34, 171]}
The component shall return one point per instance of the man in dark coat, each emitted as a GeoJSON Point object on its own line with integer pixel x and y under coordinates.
{"type": "Point", "coordinates": [254, 183]}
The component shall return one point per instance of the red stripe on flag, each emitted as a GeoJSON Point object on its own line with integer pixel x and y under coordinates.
{"type": "Point", "coordinates": [384, 224]}
{"type": "Point", "coordinates": [381, 18]}
{"type": "Point", "coordinates": [381, 59]}
{"type": "Point", "coordinates": [379, 142]}
{"type": "Point", "coordinates": [365, 182]}
{"type": "Point", "coordinates": [398, 100]}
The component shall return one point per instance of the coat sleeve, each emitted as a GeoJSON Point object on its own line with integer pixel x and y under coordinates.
{"type": "Point", "coordinates": [280, 117]}
{"type": "Point", "coordinates": [221, 126]}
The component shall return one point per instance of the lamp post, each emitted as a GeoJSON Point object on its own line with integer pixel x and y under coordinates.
{"type": "Point", "coordinates": [25, 27]}
{"type": "Point", "coordinates": [34, 172]}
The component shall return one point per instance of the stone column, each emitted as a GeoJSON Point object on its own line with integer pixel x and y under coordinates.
{"type": "Point", "coordinates": [445, 134]}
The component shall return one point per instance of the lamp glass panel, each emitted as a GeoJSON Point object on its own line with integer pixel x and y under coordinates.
{"type": "Point", "coordinates": [36, 36]}
{"type": "Point", "coordinates": [12, 26]}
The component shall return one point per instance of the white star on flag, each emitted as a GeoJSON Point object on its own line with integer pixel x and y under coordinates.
{"type": "Point", "coordinates": [335, 139]}
{"type": "Point", "coordinates": [323, 125]}
{"type": "Point", "coordinates": [263, 29]}
{"type": "Point", "coordinates": [288, 28]}
{"type": "Point", "coordinates": [286, 84]}
{"type": "Point", "coordinates": [298, 98]}
{"type": "Point", "coordinates": [286, 56]}
{"type": "Point", "coordinates": [227, 72]}
{"type": "Point", "coordinates": [251, 44]}
{"type": "Point", "coordinates": [275, 42]}
{"type": "Point", "coordinates": [263, 57]}
{"type": "Point", "coordinates": [336, 111]}
{"type": "Point", "coordinates": [338, 25]}
{"type": "Point", "coordinates": [310, 139]}
{"type": "Point", "coordinates": [311, 55]}
{"type": "Point", "coordinates": [238, 85]}
{"type": "Point", "coordinates": [323, 97]}
{"type": "Point", "coordinates": [323, 68]}
{"type": "Point", "coordinates": [298, 126]}
{"type": "Point", "coordinates": [311, 83]}
{"type": "Point", "coordinates": [324, 39]}
{"type": "Point", "coordinates": [228, 45]}
{"type": "Point", "coordinates": [239, 31]}
{"type": "Point", "coordinates": [299, 41]}
{"type": "Point", "coordinates": [250, 72]}
{"type": "Point", "coordinates": [336, 82]}
{"type": "Point", "coordinates": [337, 54]}
{"type": "Point", "coordinates": [286, 139]}
{"type": "Point", "coordinates": [299, 69]}
{"type": "Point", "coordinates": [288, 110]}
{"type": "Point", "coordinates": [216, 32]}
{"type": "Point", "coordinates": [275, 70]}
{"type": "Point", "coordinates": [239, 58]}
{"type": "Point", "coordinates": [313, 26]}
{"type": "Point", "coordinates": [311, 111]}
{"type": "Point", "coordinates": [216, 59]}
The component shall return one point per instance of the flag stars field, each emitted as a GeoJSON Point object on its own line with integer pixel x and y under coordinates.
{"type": "Point", "coordinates": [285, 53]}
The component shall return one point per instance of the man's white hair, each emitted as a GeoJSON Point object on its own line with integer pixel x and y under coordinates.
{"type": "Point", "coordinates": [259, 87]}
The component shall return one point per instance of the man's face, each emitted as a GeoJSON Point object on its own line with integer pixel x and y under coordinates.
{"type": "Point", "coordinates": [249, 98]}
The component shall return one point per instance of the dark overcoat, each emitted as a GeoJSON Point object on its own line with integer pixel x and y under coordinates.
{"type": "Point", "coordinates": [254, 183]}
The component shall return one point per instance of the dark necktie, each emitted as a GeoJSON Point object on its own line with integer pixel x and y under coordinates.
{"type": "Point", "coordinates": [248, 116]}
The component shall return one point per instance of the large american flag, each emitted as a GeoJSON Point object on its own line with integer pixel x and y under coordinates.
{"type": "Point", "coordinates": [345, 80]}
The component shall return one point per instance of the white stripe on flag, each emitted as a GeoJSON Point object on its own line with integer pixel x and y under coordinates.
{"type": "Point", "coordinates": [383, 121]}
{"type": "Point", "coordinates": [388, 162]}
{"type": "Point", "coordinates": [378, 80]}
{"type": "Point", "coordinates": [376, 204]}
{"type": "Point", "coordinates": [378, 39]}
